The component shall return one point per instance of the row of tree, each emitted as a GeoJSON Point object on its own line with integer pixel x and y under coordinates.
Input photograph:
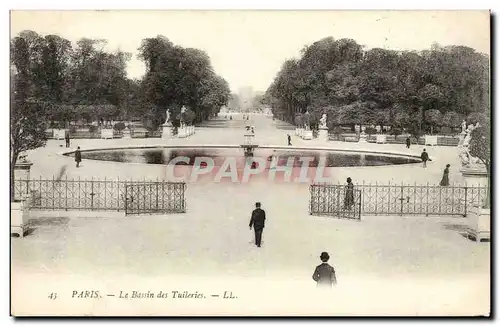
{"type": "Point", "coordinates": [52, 80]}
{"type": "Point", "coordinates": [85, 82]}
{"type": "Point", "coordinates": [403, 89]}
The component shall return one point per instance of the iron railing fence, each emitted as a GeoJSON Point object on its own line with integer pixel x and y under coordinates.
{"type": "Point", "coordinates": [387, 199]}
{"type": "Point", "coordinates": [335, 200]}
{"type": "Point", "coordinates": [99, 195]}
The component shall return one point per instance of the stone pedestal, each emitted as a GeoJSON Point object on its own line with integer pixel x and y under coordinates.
{"type": "Point", "coordinates": [479, 223]}
{"type": "Point", "coordinates": [475, 176]}
{"type": "Point", "coordinates": [127, 134]}
{"type": "Point", "coordinates": [22, 170]}
{"type": "Point", "coordinates": [249, 139]}
{"type": "Point", "coordinates": [381, 139]}
{"type": "Point", "coordinates": [166, 131]}
{"type": "Point", "coordinates": [106, 133]}
{"type": "Point", "coordinates": [323, 134]}
{"type": "Point", "coordinates": [307, 135]}
{"type": "Point", "coordinates": [182, 133]}
{"type": "Point", "coordinates": [362, 137]}
{"type": "Point", "coordinates": [19, 216]}
{"type": "Point", "coordinates": [59, 134]}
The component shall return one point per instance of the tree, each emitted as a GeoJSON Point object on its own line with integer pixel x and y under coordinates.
{"type": "Point", "coordinates": [433, 118]}
{"type": "Point", "coordinates": [452, 119]}
{"type": "Point", "coordinates": [480, 147]}
{"type": "Point", "coordinates": [27, 131]}
{"type": "Point", "coordinates": [355, 86]}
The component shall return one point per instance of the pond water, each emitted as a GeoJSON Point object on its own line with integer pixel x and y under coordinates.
{"type": "Point", "coordinates": [219, 155]}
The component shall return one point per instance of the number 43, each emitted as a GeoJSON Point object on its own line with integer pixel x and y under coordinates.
{"type": "Point", "coordinates": [53, 296]}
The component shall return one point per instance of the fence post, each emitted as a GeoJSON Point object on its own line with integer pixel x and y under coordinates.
{"type": "Point", "coordinates": [157, 193]}
{"type": "Point", "coordinates": [66, 188]}
{"type": "Point", "coordinates": [427, 200]}
{"type": "Point", "coordinates": [401, 199]}
{"type": "Point", "coordinates": [465, 205]}
{"type": "Point", "coordinates": [92, 194]}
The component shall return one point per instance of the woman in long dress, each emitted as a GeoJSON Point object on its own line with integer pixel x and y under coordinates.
{"type": "Point", "coordinates": [445, 181]}
{"type": "Point", "coordinates": [349, 194]}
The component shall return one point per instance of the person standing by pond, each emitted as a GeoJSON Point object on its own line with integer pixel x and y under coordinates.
{"type": "Point", "coordinates": [78, 157]}
{"type": "Point", "coordinates": [425, 157]}
{"type": "Point", "coordinates": [349, 194]}
{"type": "Point", "coordinates": [408, 142]}
{"type": "Point", "coordinates": [289, 139]}
{"type": "Point", "coordinates": [66, 137]}
{"type": "Point", "coordinates": [445, 181]}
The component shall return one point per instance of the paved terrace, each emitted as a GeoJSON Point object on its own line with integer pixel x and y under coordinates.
{"type": "Point", "coordinates": [399, 265]}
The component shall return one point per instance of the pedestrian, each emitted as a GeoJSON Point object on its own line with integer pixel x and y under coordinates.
{"type": "Point", "coordinates": [425, 157]}
{"type": "Point", "coordinates": [78, 157]}
{"type": "Point", "coordinates": [66, 137]}
{"type": "Point", "coordinates": [258, 221]}
{"type": "Point", "coordinates": [349, 194]}
{"type": "Point", "coordinates": [289, 139]}
{"type": "Point", "coordinates": [408, 142]}
{"type": "Point", "coordinates": [324, 274]}
{"type": "Point", "coordinates": [445, 181]}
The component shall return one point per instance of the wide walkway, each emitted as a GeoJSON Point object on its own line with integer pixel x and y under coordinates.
{"type": "Point", "coordinates": [398, 265]}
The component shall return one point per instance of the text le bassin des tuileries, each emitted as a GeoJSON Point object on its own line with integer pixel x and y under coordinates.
{"type": "Point", "coordinates": [174, 294]}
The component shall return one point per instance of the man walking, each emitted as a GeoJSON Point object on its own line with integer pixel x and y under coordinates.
{"type": "Point", "coordinates": [289, 139]}
{"type": "Point", "coordinates": [257, 221]}
{"type": "Point", "coordinates": [408, 142]}
{"type": "Point", "coordinates": [425, 157]}
{"type": "Point", "coordinates": [78, 157]}
{"type": "Point", "coordinates": [324, 274]}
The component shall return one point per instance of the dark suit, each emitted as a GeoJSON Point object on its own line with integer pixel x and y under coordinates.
{"type": "Point", "coordinates": [258, 221]}
{"type": "Point", "coordinates": [324, 274]}
{"type": "Point", "coordinates": [78, 157]}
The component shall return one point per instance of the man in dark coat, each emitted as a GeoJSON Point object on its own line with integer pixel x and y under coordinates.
{"type": "Point", "coordinates": [257, 221]}
{"type": "Point", "coordinates": [289, 139]}
{"type": "Point", "coordinates": [408, 142]}
{"type": "Point", "coordinates": [425, 157]}
{"type": "Point", "coordinates": [324, 274]}
{"type": "Point", "coordinates": [66, 137]}
{"type": "Point", "coordinates": [78, 156]}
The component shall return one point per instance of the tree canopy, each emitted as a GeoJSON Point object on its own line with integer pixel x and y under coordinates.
{"type": "Point", "coordinates": [437, 87]}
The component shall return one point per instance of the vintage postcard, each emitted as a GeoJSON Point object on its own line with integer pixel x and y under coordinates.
{"type": "Point", "coordinates": [250, 163]}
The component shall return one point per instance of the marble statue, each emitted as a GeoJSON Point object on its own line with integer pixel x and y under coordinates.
{"type": "Point", "coordinates": [323, 121]}
{"type": "Point", "coordinates": [167, 120]}
{"type": "Point", "coordinates": [464, 126]}
{"type": "Point", "coordinates": [466, 158]}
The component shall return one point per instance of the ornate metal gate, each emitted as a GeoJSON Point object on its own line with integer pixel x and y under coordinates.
{"type": "Point", "coordinates": [154, 197]}
{"type": "Point", "coordinates": [336, 201]}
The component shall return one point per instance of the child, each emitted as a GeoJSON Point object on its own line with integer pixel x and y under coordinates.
{"type": "Point", "coordinates": [324, 274]}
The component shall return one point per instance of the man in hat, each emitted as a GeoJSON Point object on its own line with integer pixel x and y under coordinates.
{"type": "Point", "coordinates": [257, 221]}
{"type": "Point", "coordinates": [78, 157]}
{"type": "Point", "coordinates": [425, 157]}
{"type": "Point", "coordinates": [289, 139]}
{"type": "Point", "coordinates": [324, 274]}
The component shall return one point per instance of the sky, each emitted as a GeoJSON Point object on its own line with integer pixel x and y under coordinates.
{"type": "Point", "coordinates": [247, 48]}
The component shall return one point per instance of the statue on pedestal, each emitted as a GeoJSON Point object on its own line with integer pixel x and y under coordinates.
{"type": "Point", "coordinates": [322, 121]}
{"type": "Point", "coordinates": [167, 119]}
{"type": "Point", "coordinates": [464, 126]}
{"type": "Point", "coordinates": [466, 158]}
